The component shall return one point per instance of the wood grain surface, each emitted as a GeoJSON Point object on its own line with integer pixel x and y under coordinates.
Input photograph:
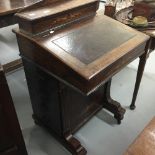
{"type": "Point", "coordinates": [43, 16]}
{"type": "Point", "coordinates": [45, 10]}
{"type": "Point", "coordinates": [121, 46]}
{"type": "Point", "coordinates": [145, 142]}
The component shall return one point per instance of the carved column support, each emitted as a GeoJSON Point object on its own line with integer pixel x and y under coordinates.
{"type": "Point", "coordinates": [112, 105]}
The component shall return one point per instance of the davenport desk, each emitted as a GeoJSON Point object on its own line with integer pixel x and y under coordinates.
{"type": "Point", "coordinates": [70, 54]}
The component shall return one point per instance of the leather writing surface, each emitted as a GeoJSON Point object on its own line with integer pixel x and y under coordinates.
{"type": "Point", "coordinates": [92, 41]}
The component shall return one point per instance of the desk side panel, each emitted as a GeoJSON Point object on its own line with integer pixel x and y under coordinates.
{"type": "Point", "coordinates": [56, 106]}
{"type": "Point", "coordinates": [44, 94]}
{"type": "Point", "coordinates": [11, 140]}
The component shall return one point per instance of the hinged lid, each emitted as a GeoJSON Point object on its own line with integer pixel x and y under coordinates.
{"type": "Point", "coordinates": [52, 13]}
{"type": "Point", "coordinates": [84, 55]}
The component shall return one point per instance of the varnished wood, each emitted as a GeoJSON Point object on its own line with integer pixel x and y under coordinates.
{"type": "Point", "coordinates": [59, 108]}
{"type": "Point", "coordinates": [36, 19]}
{"type": "Point", "coordinates": [96, 71]}
{"type": "Point", "coordinates": [11, 140]}
{"type": "Point", "coordinates": [68, 140]}
{"type": "Point", "coordinates": [124, 13]}
{"type": "Point", "coordinates": [67, 67]}
{"type": "Point", "coordinates": [145, 9]}
{"type": "Point", "coordinates": [144, 144]}
{"type": "Point", "coordinates": [11, 66]}
{"type": "Point", "coordinates": [92, 35]}
{"type": "Point", "coordinates": [48, 10]}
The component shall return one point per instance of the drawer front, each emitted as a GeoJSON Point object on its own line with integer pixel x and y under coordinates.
{"type": "Point", "coordinates": [5, 133]}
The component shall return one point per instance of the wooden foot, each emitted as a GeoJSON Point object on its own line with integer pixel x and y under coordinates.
{"type": "Point", "coordinates": [74, 146]}
{"type": "Point", "coordinates": [132, 106]}
{"type": "Point", "coordinates": [112, 105]}
{"type": "Point", "coordinates": [68, 141]}
{"type": "Point", "coordinates": [141, 67]}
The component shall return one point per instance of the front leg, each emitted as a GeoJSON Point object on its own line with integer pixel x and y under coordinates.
{"type": "Point", "coordinates": [112, 105]}
{"type": "Point", "coordinates": [74, 146]}
{"type": "Point", "coordinates": [141, 68]}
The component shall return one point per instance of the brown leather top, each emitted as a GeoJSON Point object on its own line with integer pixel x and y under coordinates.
{"type": "Point", "coordinates": [145, 143]}
{"type": "Point", "coordinates": [93, 40]}
{"type": "Point", "coordinates": [12, 6]}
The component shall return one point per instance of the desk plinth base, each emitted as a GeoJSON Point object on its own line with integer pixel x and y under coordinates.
{"type": "Point", "coordinates": [61, 109]}
{"type": "Point", "coordinates": [68, 141]}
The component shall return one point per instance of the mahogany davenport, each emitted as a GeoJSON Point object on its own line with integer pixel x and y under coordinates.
{"type": "Point", "coordinates": [11, 140]}
{"type": "Point", "coordinates": [69, 66]}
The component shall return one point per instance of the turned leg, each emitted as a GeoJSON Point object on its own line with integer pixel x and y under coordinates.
{"type": "Point", "coordinates": [141, 67]}
{"type": "Point", "coordinates": [112, 105]}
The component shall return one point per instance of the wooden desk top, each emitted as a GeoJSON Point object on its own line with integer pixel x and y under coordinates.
{"type": "Point", "coordinates": [12, 6]}
{"type": "Point", "coordinates": [145, 143]}
{"type": "Point", "coordinates": [93, 50]}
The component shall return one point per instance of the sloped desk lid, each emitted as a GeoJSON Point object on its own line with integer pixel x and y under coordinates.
{"type": "Point", "coordinates": [94, 50]}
